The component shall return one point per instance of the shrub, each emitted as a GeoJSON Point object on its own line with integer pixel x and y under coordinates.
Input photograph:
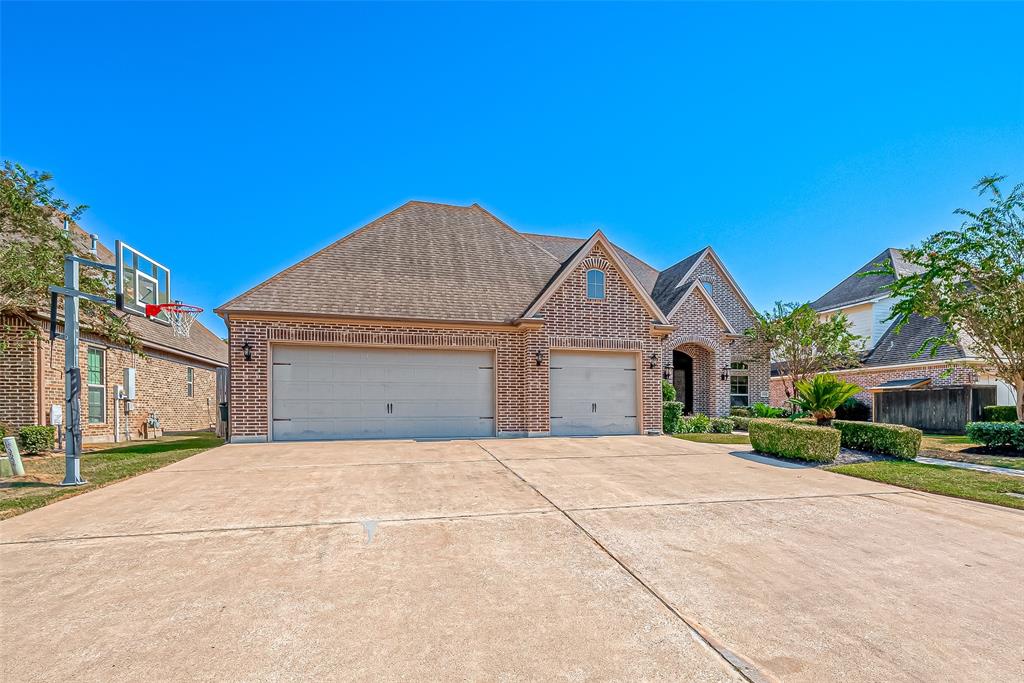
{"type": "Point", "coordinates": [792, 440]}
{"type": "Point", "coordinates": [739, 412]}
{"type": "Point", "coordinates": [822, 395]}
{"type": "Point", "coordinates": [696, 424]}
{"type": "Point", "coordinates": [36, 439]}
{"type": "Point", "coordinates": [671, 412]}
{"type": "Point", "coordinates": [668, 392]}
{"type": "Point", "coordinates": [999, 414]}
{"type": "Point", "coordinates": [854, 410]}
{"type": "Point", "coordinates": [895, 440]}
{"type": "Point", "coordinates": [1006, 435]}
{"type": "Point", "coordinates": [765, 410]}
{"type": "Point", "coordinates": [740, 422]}
{"type": "Point", "coordinates": [722, 425]}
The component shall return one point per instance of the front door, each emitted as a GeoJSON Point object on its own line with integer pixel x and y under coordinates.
{"type": "Point", "coordinates": [682, 379]}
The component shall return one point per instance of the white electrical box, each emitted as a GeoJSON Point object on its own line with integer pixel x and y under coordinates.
{"type": "Point", "coordinates": [129, 383]}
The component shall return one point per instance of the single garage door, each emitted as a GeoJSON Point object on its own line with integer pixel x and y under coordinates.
{"type": "Point", "coordinates": [593, 393]}
{"type": "Point", "coordinates": [356, 393]}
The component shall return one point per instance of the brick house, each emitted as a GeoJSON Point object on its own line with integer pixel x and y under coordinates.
{"type": "Point", "coordinates": [442, 321]}
{"type": "Point", "coordinates": [176, 378]}
{"type": "Point", "coordinates": [888, 361]}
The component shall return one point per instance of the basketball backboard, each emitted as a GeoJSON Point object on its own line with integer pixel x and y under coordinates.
{"type": "Point", "coordinates": [140, 281]}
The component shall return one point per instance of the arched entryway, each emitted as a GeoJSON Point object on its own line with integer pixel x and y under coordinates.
{"type": "Point", "coordinates": [692, 367]}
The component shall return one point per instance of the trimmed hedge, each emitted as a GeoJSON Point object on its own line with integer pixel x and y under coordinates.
{"type": "Point", "coordinates": [671, 412]}
{"type": "Point", "coordinates": [999, 414]}
{"type": "Point", "coordinates": [886, 439]}
{"type": "Point", "coordinates": [722, 425]}
{"type": "Point", "coordinates": [36, 439]}
{"type": "Point", "coordinates": [741, 422]}
{"type": "Point", "coordinates": [739, 412]}
{"type": "Point", "coordinates": [1006, 435]}
{"type": "Point", "coordinates": [792, 440]}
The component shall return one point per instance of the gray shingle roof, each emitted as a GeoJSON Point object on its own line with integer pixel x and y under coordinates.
{"type": "Point", "coordinates": [421, 261]}
{"type": "Point", "coordinates": [436, 262]}
{"type": "Point", "coordinates": [856, 288]}
{"type": "Point", "coordinates": [563, 248]}
{"type": "Point", "coordinates": [896, 349]}
{"type": "Point", "coordinates": [669, 287]}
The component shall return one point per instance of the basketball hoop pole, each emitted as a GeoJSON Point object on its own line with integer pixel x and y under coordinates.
{"type": "Point", "coordinates": [72, 372]}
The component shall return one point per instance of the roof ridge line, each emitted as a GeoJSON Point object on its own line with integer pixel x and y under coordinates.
{"type": "Point", "coordinates": [521, 236]}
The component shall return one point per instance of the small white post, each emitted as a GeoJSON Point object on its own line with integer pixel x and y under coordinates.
{"type": "Point", "coordinates": [13, 456]}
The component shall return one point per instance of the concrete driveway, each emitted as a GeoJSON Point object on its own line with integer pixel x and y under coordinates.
{"type": "Point", "coordinates": [619, 558]}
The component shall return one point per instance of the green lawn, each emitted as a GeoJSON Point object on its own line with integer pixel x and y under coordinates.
{"type": "Point", "coordinates": [952, 446]}
{"type": "Point", "coordinates": [43, 473]}
{"type": "Point", "coordinates": [947, 481]}
{"type": "Point", "coordinates": [740, 438]}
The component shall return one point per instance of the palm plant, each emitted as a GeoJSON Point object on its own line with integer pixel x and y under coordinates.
{"type": "Point", "coordinates": [822, 395]}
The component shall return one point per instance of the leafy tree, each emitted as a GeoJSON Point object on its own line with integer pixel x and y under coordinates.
{"type": "Point", "coordinates": [803, 342]}
{"type": "Point", "coordinates": [32, 249]}
{"type": "Point", "coordinates": [972, 279]}
{"type": "Point", "coordinates": [821, 396]}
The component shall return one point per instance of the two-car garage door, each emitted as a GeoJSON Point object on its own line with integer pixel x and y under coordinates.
{"type": "Point", "coordinates": [363, 393]}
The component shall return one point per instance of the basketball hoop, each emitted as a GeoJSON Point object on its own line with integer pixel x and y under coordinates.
{"type": "Point", "coordinates": [178, 314]}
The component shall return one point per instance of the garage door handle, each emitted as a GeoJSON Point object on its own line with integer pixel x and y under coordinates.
{"type": "Point", "coordinates": [282, 419]}
{"type": "Point", "coordinates": [593, 407]}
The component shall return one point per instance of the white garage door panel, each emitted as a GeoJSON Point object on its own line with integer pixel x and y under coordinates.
{"type": "Point", "coordinates": [593, 393]}
{"type": "Point", "coordinates": [344, 393]}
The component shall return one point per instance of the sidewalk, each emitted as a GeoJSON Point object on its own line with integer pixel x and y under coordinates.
{"type": "Point", "coordinates": [970, 466]}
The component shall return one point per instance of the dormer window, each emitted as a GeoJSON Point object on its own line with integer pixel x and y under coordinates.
{"type": "Point", "coordinates": [708, 287]}
{"type": "Point", "coordinates": [595, 284]}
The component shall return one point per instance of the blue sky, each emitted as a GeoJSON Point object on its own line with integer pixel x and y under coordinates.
{"type": "Point", "coordinates": [230, 140]}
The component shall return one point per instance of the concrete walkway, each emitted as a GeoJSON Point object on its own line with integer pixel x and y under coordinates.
{"type": "Point", "coordinates": [619, 558]}
{"type": "Point", "coordinates": [991, 469]}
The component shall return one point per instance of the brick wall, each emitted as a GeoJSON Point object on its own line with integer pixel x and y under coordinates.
{"type": "Point", "coordinates": [160, 383]}
{"type": "Point", "coordinates": [618, 322]}
{"type": "Point", "coordinates": [869, 377]}
{"type": "Point", "coordinates": [18, 368]}
{"type": "Point", "coordinates": [32, 379]}
{"type": "Point", "coordinates": [571, 321]}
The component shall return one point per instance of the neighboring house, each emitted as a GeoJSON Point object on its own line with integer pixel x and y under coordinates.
{"type": "Point", "coordinates": [175, 378]}
{"type": "Point", "coordinates": [442, 321]}
{"type": "Point", "coordinates": [889, 361]}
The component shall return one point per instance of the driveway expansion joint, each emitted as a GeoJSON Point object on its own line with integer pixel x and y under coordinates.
{"type": "Point", "coordinates": [627, 506]}
{"type": "Point", "coordinates": [272, 527]}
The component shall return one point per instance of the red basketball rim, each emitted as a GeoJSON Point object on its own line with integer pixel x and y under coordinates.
{"type": "Point", "coordinates": [153, 310]}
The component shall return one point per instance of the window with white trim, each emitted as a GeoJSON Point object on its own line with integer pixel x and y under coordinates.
{"type": "Point", "coordinates": [595, 284]}
{"type": "Point", "coordinates": [96, 380]}
{"type": "Point", "coordinates": [189, 382]}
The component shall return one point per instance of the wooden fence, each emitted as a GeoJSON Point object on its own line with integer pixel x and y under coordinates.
{"type": "Point", "coordinates": [941, 410]}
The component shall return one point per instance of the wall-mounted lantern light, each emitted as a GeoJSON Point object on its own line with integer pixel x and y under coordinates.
{"type": "Point", "coordinates": [725, 373]}
{"type": "Point", "coordinates": [540, 357]}
{"type": "Point", "coordinates": [654, 361]}
{"type": "Point", "coordinates": [247, 350]}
